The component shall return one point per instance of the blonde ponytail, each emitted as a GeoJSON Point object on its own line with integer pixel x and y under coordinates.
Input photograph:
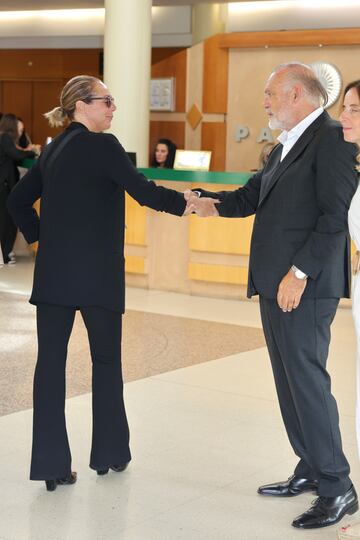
{"type": "Point", "coordinates": [56, 117]}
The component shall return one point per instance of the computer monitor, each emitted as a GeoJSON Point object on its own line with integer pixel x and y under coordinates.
{"type": "Point", "coordinates": [132, 157]}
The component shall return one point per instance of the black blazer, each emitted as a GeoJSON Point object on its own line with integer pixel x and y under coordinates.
{"type": "Point", "coordinates": [10, 156]}
{"type": "Point", "coordinates": [80, 260]}
{"type": "Point", "coordinates": [301, 207]}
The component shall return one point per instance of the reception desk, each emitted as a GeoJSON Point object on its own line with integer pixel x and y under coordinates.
{"type": "Point", "coordinates": [205, 256]}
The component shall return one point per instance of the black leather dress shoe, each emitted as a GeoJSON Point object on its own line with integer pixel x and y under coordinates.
{"type": "Point", "coordinates": [51, 485]}
{"type": "Point", "coordinates": [116, 468]}
{"type": "Point", "coordinates": [327, 511]}
{"type": "Point", "coordinates": [291, 487]}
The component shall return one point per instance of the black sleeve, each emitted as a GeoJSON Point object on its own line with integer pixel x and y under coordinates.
{"type": "Point", "coordinates": [14, 153]}
{"type": "Point", "coordinates": [145, 192]}
{"type": "Point", "coordinates": [20, 203]}
{"type": "Point", "coordinates": [241, 202]}
{"type": "Point", "coordinates": [336, 182]}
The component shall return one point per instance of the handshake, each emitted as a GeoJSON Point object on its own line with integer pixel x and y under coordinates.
{"type": "Point", "coordinates": [202, 206]}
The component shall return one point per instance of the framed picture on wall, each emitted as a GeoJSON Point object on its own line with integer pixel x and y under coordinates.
{"type": "Point", "coordinates": [162, 94]}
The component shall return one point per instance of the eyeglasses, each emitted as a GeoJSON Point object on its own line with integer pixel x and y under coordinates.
{"type": "Point", "coordinates": [108, 100]}
{"type": "Point", "coordinates": [351, 109]}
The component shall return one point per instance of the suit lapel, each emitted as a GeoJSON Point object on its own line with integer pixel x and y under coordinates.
{"type": "Point", "coordinates": [271, 176]}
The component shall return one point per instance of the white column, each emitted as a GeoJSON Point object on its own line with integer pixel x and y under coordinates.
{"type": "Point", "coordinates": [207, 20]}
{"type": "Point", "coordinates": [127, 60]}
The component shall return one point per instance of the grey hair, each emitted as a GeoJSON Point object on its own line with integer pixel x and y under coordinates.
{"type": "Point", "coordinates": [297, 72]}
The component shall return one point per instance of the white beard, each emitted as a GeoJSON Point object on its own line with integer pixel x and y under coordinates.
{"type": "Point", "coordinates": [275, 123]}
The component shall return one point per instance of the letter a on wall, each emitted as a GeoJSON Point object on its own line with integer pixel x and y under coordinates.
{"type": "Point", "coordinates": [265, 135]}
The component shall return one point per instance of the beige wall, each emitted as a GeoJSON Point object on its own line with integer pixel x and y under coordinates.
{"type": "Point", "coordinates": [248, 71]}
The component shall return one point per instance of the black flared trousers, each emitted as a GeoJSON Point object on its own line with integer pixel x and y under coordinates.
{"type": "Point", "coordinates": [51, 456]}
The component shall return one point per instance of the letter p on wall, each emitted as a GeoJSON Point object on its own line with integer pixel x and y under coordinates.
{"type": "Point", "coordinates": [241, 133]}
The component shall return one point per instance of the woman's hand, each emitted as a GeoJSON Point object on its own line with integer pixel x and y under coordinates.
{"type": "Point", "coordinates": [355, 263]}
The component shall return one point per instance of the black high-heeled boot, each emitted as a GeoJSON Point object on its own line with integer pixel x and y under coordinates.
{"type": "Point", "coordinates": [51, 485]}
{"type": "Point", "coordinates": [115, 468]}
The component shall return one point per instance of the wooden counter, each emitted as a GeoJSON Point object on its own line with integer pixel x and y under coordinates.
{"type": "Point", "coordinates": [204, 256]}
{"type": "Point", "coordinates": [207, 256]}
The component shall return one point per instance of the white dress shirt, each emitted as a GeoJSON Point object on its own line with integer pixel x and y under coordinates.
{"type": "Point", "coordinates": [289, 138]}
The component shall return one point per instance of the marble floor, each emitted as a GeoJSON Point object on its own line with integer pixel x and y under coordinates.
{"type": "Point", "coordinates": [203, 438]}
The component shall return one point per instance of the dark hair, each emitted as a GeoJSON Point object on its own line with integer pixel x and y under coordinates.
{"type": "Point", "coordinates": [353, 84]}
{"type": "Point", "coordinates": [8, 124]}
{"type": "Point", "coordinates": [170, 158]}
{"type": "Point", "coordinates": [24, 139]}
{"type": "Point", "coordinates": [264, 154]}
{"type": "Point", "coordinates": [356, 85]}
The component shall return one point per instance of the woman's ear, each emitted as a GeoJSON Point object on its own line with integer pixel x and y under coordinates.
{"type": "Point", "coordinates": [80, 107]}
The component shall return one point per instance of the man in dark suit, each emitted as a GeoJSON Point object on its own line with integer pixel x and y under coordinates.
{"type": "Point", "coordinates": [299, 266]}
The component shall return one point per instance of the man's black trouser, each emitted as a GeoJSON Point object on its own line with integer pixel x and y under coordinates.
{"type": "Point", "coordinates": [51, 457]}
{"type": "Point", "coordinates": [298, 344]}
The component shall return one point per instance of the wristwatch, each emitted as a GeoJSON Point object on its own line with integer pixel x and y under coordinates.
{"type": "Point", "coordinates": [298, 273]}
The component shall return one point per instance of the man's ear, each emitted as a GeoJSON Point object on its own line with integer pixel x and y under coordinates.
{"type": "Point", "coordinates": [297, 93]}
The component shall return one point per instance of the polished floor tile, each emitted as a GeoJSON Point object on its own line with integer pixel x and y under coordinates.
{"type": "Point", "coordinates": [203, 438]}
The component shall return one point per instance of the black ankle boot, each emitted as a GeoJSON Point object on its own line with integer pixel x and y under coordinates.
{"type": "Point", "coordinates": [101, 472]}
{"type": "Point", "coordinates": [51, 485]}
{"type": "Point", "coordinates": [115, 468]}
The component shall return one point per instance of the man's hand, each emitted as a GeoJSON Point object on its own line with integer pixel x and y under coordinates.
{"type": "Point", "coordinates": [190, 198]}
{"type": "Point", "coordinates": [290, 291]}
{"type": "Point", "coordinates": [204, 206]}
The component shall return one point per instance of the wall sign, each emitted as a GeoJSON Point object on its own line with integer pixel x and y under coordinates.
{"type": "Point", "coordinates": [162, 94]}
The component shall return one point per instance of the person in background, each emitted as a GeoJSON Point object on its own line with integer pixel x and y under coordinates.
{"type": "Point", "coordinates": [24, 139]}
{"type": "Point", "coordinates": [264, 154]}
{"type": "Point", "coordinates": [81, 177]}
{"type": "Point", "coordinates": [350, 121]}
{"type": "Point", "coordinates": [164, 154]}
{"type": "Point", "coordinates": [1, 255]}
{"type": "Point", "coordinates": [10, 156]}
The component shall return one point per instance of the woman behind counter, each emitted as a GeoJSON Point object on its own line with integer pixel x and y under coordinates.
{"type": "Point", "coordinates": [350, 120]}
{"type": "Point", "coordinates": [10, 156]}
{"type": "Point", "coordinates": [164, 154]}
{"type": "Point", "coordinates": [81, 178]}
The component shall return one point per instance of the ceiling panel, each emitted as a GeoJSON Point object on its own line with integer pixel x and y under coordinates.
{"type": "Point", "coordinates": [23, 5]}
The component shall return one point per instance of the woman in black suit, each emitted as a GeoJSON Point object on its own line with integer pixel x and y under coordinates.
{"type": "Point", "coordinates": [10, 156]}
{"type": "Point", "coordinates": [81, 178]}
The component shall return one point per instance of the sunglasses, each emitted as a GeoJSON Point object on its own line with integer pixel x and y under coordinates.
{"type": "Point", "coordinates": [108, 100]}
